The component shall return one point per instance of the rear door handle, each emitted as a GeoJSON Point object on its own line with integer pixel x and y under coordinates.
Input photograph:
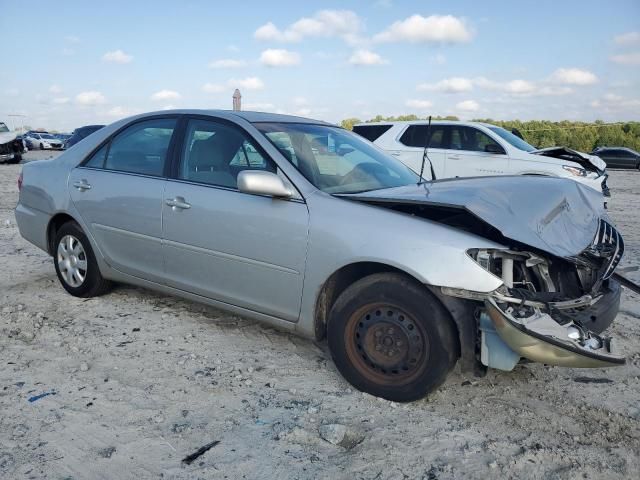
{"type": "Point", "coordinates": [178, 203]}
{"type": "Point", "coordinates": [82, 185]}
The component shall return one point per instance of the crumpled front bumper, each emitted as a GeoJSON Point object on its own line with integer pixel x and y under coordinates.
{"type": "Point", "coordinates": [540, 338]}
{"type": "Point", "coordinates": [507, 334]}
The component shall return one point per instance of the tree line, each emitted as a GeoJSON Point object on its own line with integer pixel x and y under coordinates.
{"type": "Point", "coordinates": [582, 136]}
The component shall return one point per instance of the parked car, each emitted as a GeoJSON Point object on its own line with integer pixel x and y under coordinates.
{"type": "Point", "coordinates": [11, 147]}
{"type": "Point", "coordinates": [308, 227]}
{"type": "Point", "coordinates": [470, 149]}
{"type": "Point", "coordinates": [618, 157]}
{"type": "Point", "coordinates": [63, 137]}
{"type": "Point", "coordinates": [43, 141]}
{"type": "Point", "coordinates": [80, 134]}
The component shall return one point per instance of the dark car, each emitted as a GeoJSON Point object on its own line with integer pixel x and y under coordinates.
{"type": "Point", "coordinates": [618, 157]}
{"type": "Point", "coordinates": [81, 133]}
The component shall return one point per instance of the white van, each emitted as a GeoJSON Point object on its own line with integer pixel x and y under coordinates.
{"type": "Point", "coordinates": [472, 149]}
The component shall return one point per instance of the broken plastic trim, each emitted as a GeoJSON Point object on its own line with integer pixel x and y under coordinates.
{"type": "Point", "coordinates": [541, 339]}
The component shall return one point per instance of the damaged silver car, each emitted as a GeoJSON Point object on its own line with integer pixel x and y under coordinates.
{"type": "Point", "coordinates": [310, 228]}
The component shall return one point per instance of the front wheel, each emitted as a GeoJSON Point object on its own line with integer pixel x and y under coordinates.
{"type": "Point", "coordinates": [41, 146]}
{"type": "Point", "coordinates": [16, 159]}
{"type": "Point", "coordinates": [76, 264]}
{"type": "Point", "coordinates": [390, 337]}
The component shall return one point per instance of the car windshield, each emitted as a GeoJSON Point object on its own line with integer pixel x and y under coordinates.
{"type": "Point", "coordinates": [47, 136]}
{"type": "Point", "coordinates": [3, 127]}
{"type": "Point", "coordinates": [513, 139]}
{"type": "Point", "coordinates": [336, 160]}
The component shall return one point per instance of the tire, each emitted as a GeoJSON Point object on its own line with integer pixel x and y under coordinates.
{"type": "Point", "coordinates": [41, 147]}
{"type": "Point", "coordinates": [390, 337]}
{"type": "Point", "coordinates": [15, 159]}
{"type": "Point", "coordinates": [86, 282]}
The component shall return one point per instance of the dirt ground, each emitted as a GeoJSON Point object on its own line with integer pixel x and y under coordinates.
{"type": "Point", "coordinates": [141, 380]}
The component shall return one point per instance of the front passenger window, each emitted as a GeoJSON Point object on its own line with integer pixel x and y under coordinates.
{"type": "Point", "coordinates": [215, 153]}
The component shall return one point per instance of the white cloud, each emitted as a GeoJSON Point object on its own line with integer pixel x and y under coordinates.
{"type": "Point", "coordinates": [626, 58]}
{"type": "Point", "coordinates": [213, 88]}
{"type": "Point", "coordinates": [276, 57]}
{"type": "Point", "coordinates": [168, 107]}
{"type": "Point", "coordinates": [166, 95]}
{"type": "Point", "coordinates": [227, 63]}
{"type": "Point", "coordinates": [629, 38]}
{"type": "Point", "coordinates": [117, 56]}
{"type": "Point", "coordinates": [468, 106]}
{"type": "Point", "coordinates": [60, 100]}
{"type": "Point", "coordinates": [521, 87]}
{"type": "Point", "coordinates": [573, 76]}
{"type": "Point", "coordinates": [613, 102]}
{"type": "Point", "coordinates": [56, 89]}
{"type": "Point", "coordinates": [449, 85]}
{"type": "Point", "coordinates": [249, 83]}
{"type": "Point", "coordinates": [12, 92]}
{"type": "Point", "coordinates": [418, 104]}
{"type": "Point", "coordinates": [325, 23]}
{"type": "Point", "coordinates": [432, 29]}
{"type": "Point", "coordinates": [90, 98]}
{"type": "Point", "coordinates": [366, 57]}
{"type": "Point", "coordinates": [72, 39]}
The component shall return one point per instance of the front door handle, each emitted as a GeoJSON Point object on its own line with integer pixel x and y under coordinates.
{"type": "Point", "coordinates": [178, 203]}
{"type": "Point", "coordinates": [82, 185]}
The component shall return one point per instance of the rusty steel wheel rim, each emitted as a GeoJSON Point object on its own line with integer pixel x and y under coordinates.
{"type": "Point", "coordinates": [386, 344]}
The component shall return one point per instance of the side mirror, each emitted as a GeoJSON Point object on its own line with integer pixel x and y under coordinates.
{"type": "Point", "coordinates": [493, 148]}
{"type": "Point", "coordinates": [259, 182]}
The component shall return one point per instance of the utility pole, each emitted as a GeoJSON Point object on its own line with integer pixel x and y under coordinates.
{"type": "Point", "coordinates": [237, 105]}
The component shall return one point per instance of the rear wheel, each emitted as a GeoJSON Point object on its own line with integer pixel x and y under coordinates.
{"type": "Point", "coordinates": [76, 264]}
{"type": "Point", "coordinates": [391, 338]}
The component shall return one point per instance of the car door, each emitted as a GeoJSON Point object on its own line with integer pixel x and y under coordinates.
{"type": "Point", "coordinates": [473, 153]}
{"type": "Point", "coordinates": [118, 193]}
{"type": "Point", "coordinates": [240, 249]}
{"type": "Point", "coordinates": [411, 148]}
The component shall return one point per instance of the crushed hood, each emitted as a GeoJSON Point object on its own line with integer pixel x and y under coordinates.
{"type": "Point", "coordinates": [584, 159]}
{"type": "Point", "coordinates": [6, 137]}
{"type": "Point", "coordinates": [555, 215]}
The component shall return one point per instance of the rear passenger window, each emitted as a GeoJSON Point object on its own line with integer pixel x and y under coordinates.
{"type": "Point", "coordinates": [214, 153]}
{"type": "Point", "coordinates": [416, 136]}
{"type": "Point", "coordinates": [141, 148]}
{"type": "Point", "coordinates": [97, 159]}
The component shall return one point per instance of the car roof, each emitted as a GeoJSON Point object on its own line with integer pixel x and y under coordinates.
{"type": "Point", "coordinates": [250, 116]}
{"type": "Point", "coordinates": [426, 122]}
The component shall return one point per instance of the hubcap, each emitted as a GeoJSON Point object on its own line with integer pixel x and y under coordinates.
{"type": "Point", "coordinates": [387, 343]}
{"type": "Point", "coordinates": [72, 261]}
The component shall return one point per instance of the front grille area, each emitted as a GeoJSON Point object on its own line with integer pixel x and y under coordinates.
{"type": "Point", "coordinates": [609, 246]}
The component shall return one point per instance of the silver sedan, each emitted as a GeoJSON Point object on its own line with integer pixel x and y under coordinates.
{"type": "Point", "coordinates": [311, 228]}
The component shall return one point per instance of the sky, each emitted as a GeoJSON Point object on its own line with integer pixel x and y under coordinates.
{"type": "Point", "coordinates": [73, 63]}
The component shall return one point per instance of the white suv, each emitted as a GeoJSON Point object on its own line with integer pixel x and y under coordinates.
{"type": "Point", "coordinates": [471, 149]}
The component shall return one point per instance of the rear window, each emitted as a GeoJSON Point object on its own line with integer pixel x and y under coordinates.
{"type": "Point", "coordinates": [371, 132]}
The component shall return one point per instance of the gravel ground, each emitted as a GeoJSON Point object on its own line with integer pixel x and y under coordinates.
{"type": "Point", "coordinates": [138, 380]}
